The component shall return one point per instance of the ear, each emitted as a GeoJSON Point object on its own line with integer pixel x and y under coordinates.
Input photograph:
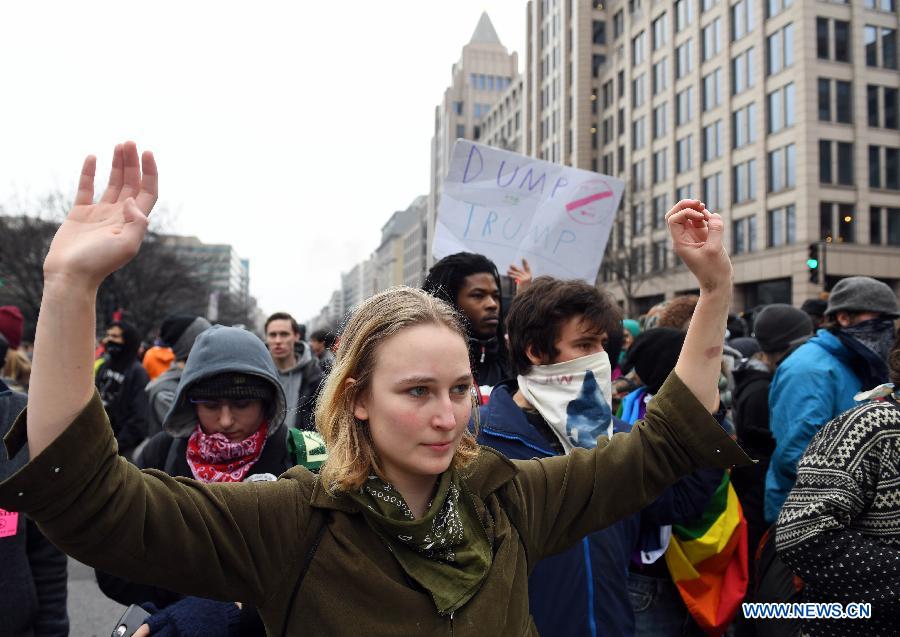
{"type": "Point", "coordinates": [843, 319]}
{"type": "Point", "coordinates": [360, 411]}
{"type": "Point", "coordinates": [532, 357]}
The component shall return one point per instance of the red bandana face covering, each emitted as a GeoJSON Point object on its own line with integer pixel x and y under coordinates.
{"type": "Point", "coordinates": [214, 458]}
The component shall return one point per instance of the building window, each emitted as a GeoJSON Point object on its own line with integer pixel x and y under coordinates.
{"type": "Point", "coordinates": [782, 168]}
{"type": "Point", "coordinates": [712, 89]}
{"type": "Point", "coordinates": [774, 7]}
{"type": "Point", "coordinates": [712, 191]}
{"type": "Point", "coordinates": [890, 179]}
{"type": "Point", "coordinates": [782, 226]}
{"type": "Point", "coordinates": [684, 14]}
{"type": "Point", "coordinates": [712, 39]}
{"type": "Point", "coordinates": [712, 141]}
{"type": "Point", "coordinates": [621, 121]}
{"type": "Point", "coordinates": [460, 131]}
{"type": "Point", "coordinates": [618, 24]}
{"type": "Point", "coordinates": [743, 126]}
{"type": "Point", "coordinates": [660, 163]}
{"type": "Point", "coordinates": [637, 220]}
{"type": "Point", "coordinates": [741, 19]}
{"type": "Point", "coordinates": [660, 253]}
{"type": "Point", "coordinates": [684, 153]}
{"type": "Point", "coordinates": [840, 52]}
{"type": "Point", "coordinates": [782, 108]}
{"type": "Point", "coordinates": [742, 72]}
{"type": "Point", "coordinates": [738, 240]}
{"type": "Point", "coordinates": [684, 192]}
{"type": "Point", "coordinates": [637, 48]}
{"type": "Point", "coordinates": [881, 46]}
{"type": "Point", "coordinates": [638, 91]}
{"type": "Point", "coordinates": [881, 5]}
{"type": "Point", "coordinates": [843, 97]}
{"type": "Point", "coordinates": [744, 182]}
{"type": "Point", "coordinates": [638, 133]}
{"type": "Point", "coordinates": [599, 32]}
{"type": "Point", "coordinates": [639, 174]}
{"type": "Point", "coordinates": [706, 5]}
{"type": "Point", "coordinates": [660, 76]}
{"type": "Point", "coordinates": [893, 226]}
{"type": "Point", "coordinates": [844, 157]}
{"type": "Point", "coordinates": [660, 120]}
{"type": "Point", "coordinates": [683, 106]}
{"type": "Point", "coordinates": [660, 28]}
{"type": "Point", "coordinates": [660, 207]}
{"type": "Point", "coordinates": [844, 223]}
{"type": "Point", "coordinates": [824, 99]}
{"type": "Point", "coordinates": [780, 49]}
{"type": "Point", "coordinates": [887, 105]}
{"type": "Point", "coordinates": [684, 59]}
{"type": "Point", "coordinates": [620, 160]}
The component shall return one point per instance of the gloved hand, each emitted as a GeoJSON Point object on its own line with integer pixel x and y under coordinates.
{"type": "Point", "coordinates": [194, 617]}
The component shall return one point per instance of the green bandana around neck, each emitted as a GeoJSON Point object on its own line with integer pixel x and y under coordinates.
{"type": "Point", "coordinates": [446, 551]}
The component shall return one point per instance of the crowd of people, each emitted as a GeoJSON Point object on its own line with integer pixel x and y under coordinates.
{"type": "Point", "coordinates": [452, 460]}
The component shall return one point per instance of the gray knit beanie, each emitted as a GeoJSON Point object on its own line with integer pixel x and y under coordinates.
{"type": "Point", "coordinates": [862, 294]}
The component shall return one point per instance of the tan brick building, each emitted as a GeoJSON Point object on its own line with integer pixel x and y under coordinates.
{"type": "Point", "coordinates": [781, 115]}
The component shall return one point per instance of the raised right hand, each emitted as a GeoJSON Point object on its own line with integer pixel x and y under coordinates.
{"type": "Point", "coordinates": [97, 239]}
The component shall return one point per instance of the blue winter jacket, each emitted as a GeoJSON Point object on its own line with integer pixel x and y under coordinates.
{"type": "Point", "coordinates": [584, 591]}
{"type": "Point", "coordinates": [813, 385]}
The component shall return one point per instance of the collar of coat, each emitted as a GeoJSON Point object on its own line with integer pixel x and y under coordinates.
{"type": "Point", "coordinates": [490, 471]}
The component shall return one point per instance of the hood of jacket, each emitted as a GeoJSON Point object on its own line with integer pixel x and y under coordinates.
{"type": "Point", "coordinates": [303, 354]}
{"type": "Point", "coordinates": [217, 350]}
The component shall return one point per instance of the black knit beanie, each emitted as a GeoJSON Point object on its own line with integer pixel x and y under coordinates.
{"type": "Point", "coordinates": [778, 325]}
{"type": "Point", "coordinates": [233, 386]}
{"type": "Point", "coordinates": [653, 355]}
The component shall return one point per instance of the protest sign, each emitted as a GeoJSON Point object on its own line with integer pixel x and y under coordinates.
{"type": "Point", "coordinates": [507, 206]}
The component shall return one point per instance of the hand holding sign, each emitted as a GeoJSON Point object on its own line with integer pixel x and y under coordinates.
{"type": "Point", "coordinates": [522, 276]}
{"type": "Point", "coordinates": [697, 240]}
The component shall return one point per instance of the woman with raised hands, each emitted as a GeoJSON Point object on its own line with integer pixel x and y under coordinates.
{"type": "Point", "coordinates": [411, 528]}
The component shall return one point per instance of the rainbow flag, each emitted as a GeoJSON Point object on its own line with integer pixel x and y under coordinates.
{"type": "Point", "coordinates": [708, 560]}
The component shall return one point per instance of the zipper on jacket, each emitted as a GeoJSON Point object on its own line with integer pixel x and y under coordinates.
{"type": "Point", "coordinates": [530, 445]}
{"type": "Point", "coordinates": [482, 353]}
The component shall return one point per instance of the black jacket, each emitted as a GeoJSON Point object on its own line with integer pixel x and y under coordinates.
{"type": "Point", "coordinates": [126, 402]}
{"type": "Point", "coordinates": [33, 572]}
{"type": "Point", "coordinates": [751, 423]}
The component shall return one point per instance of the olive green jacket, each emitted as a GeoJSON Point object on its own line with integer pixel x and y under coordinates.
{"type": "Point", "coordinates": [247, 542]}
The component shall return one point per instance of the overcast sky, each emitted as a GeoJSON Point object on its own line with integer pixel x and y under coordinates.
{"type": "Point", "coordinates": [291, 130]}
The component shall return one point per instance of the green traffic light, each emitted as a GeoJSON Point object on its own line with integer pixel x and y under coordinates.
{"type": "Point", "coordinates": [812, 263]}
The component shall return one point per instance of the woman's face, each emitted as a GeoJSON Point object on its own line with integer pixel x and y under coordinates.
{"type": "Point", "coordinates": [627, 340]}
{"type": "Point", "coordinates": [419, 403]}
{"type": "Point", "coordinates": [235, 419]}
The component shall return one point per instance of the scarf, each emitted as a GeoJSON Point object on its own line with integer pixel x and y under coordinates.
{"type": "Point", "coordinates": [862, 341]}
{"type": "Point", "coordinates": [446, 551]}
{"type": "Point", "coordinates": [877, 334]}
{"type": "Point", "coordinates": [214, 458]}
{"type": "Point", "coordinates": [574, 398]}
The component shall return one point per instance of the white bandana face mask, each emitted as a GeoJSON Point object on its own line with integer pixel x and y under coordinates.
{"type": "Point", "coordinates": [574, 398]}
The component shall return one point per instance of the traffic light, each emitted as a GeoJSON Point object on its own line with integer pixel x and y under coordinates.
{"type": "Point", "coordinates": [813, 262]}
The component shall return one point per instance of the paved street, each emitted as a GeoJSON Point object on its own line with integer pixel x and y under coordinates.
{"type": "Point", "coordinates": [91, 613]}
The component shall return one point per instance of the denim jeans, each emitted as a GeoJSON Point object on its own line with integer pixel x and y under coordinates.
{"type": "Point", "coordinates": [658, 608]}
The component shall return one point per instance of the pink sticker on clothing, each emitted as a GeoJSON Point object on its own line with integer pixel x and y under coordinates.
{"type": "Point", "coordinates": [9, 523]}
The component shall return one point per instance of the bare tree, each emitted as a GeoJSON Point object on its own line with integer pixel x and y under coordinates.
{"type": "Point", "coordinates": [624, 260]}
{"type": "Point", "coordinates": [157, 282]}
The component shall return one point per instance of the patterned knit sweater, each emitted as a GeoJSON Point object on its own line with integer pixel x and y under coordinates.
{"type": "Point", "coordinates": [840, 527]}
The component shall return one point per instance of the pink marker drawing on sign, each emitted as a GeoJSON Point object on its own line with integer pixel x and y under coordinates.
{"type": "Point", "coordinates": [9, 523]}
{"type": "Point", "coordinates": [590, 202]}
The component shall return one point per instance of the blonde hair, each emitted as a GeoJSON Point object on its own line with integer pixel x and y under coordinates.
{"type": "Point", "coordinates": [17, 367]}
{"type": "Point", "coordinates": [352, 456]}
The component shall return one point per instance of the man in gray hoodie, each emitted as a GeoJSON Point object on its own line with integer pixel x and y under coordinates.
{"type": "Point", "coordinates": [298, 370]}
